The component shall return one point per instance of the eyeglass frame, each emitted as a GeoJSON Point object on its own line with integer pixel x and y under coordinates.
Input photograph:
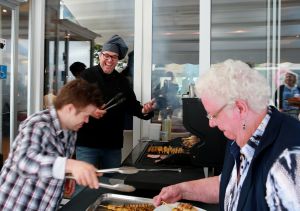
{"type": "Point", "coordinates": [214, 116]}
{"type": "Point", "coordinates": [107, 56]}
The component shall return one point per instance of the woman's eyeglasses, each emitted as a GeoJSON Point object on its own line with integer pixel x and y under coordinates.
{"type": "Point", "coordinates": [214, 116]}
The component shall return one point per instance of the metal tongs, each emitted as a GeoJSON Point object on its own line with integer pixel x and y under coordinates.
{"type": "Point", "coordinates": [116, 100]}
{"type": "Point", "coordinates": [133, 170]}
{"type": "Point", "coordinates": [124, 170]}
{"type": "Point", "coordinates": [119, 187]}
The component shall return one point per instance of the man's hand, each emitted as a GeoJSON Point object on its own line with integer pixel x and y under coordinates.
{"type": "Point", "coordinates": [148, 107]}
{"type": "Point", "coordinates": [84, 173]}
{"type": "Point", "coordinates": [98, 113]}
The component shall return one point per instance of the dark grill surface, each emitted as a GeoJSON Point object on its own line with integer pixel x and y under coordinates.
{"type": "Point", "coordinates": [172, 160]}
{"type": "Point", "coordinates": [154, 181]}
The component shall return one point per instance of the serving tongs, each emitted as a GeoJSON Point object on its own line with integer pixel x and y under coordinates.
{"type": "Point", "coordinates": [133, 170]}
{"type": "Point", "coordinates": [118, 187]}
{"type": "Point", "coordinates": [116, 100]}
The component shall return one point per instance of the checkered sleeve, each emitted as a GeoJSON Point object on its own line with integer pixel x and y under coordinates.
{"type": "Point", "coordinates": [36, 156]}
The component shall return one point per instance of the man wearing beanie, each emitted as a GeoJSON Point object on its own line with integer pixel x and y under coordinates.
{"type": "Point", "coordinates": [100, 140]}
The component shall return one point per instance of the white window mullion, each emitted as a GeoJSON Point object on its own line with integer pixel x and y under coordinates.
{"type": "Point", "coordinates": [204, 35]}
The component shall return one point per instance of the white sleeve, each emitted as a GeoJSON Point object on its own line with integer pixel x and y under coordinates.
{"type": "Point", "coordinates": [58, 171]}
{"type": "Point", "coordinates": [283, 182]}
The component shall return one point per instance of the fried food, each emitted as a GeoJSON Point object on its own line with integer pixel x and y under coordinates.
{"type": "Point", "coordinates": [153, 156]}
{"type": "Point", "coordinates": [189, 142]}
{"type": "Point", "coordinates": [165, 150]}
{"type": "Point", "coordinates": [130, 207]}
{"type": "Point", "coordinates": [184, 207]}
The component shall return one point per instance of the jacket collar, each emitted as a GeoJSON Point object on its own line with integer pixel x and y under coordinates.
{"type": "Point", "coordinates": [271, 131]}
{"type": "Point", "coordinates": [267, 139]}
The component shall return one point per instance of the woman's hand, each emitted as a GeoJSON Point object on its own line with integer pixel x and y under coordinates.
{"type": "Point", "coordinates": [169, 194]}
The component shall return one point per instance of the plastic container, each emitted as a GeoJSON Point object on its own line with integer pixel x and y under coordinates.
{"type": "Point", "coordinates": [166, 129]}
{"type": "Point", "coordinates": [192, 90]}
{"type": "Point", "coordinates": [154, 131]}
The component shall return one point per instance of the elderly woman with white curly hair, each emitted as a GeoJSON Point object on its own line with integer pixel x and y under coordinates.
{"type": "Point", "coordinates": [261, 165]}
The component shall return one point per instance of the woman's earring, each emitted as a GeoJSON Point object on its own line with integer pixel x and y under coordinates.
{"type": "Point", "coordinates": [244, 126]}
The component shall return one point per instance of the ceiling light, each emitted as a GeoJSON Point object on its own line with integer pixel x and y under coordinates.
{"type": "Point", "coordinates": [239, 31]}
{"type": "Point", "coordinates": [168, 33]}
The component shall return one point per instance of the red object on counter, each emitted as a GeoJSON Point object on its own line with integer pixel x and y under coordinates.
{"type": "Point", "coordinates": [69, 188]}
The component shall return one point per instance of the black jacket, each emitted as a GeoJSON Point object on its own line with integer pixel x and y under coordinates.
{"type": "Point", "coordinates": [282, 132]}
{"type": "Point", "coordinates": [107, 132]}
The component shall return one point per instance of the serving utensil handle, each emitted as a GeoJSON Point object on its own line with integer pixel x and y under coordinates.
{"type": "Point", "coordinates": [118, 187]}
{"type": "Point", "coordinates": [111, 170]}
{"type": "Point", "coordinates": [173, 169]}
{"type": "Point", "coordinates": [108, 186]}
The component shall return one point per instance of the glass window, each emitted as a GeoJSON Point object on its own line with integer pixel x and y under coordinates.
{"type": "Point", "coordinates": [175, 56]}
{"type": "Point", "coordinates": [74, 30]}
{"type": "Point", "coordinates": [288, 99]}
{"type": "Point", "coordinates": [22, 63]}
{"type": "Point", "coordinates": [66, 41]}
{"type": "Point", "coordinates": [7, 74]}
{"type": "Point", "coordinates": [76, 50]}
{"type": "Point", "coordinates": [239, 31]}
{"type": "Point", "coordinates": [5, 81]}
{"type": "Point", "coordinates": [290, 33]}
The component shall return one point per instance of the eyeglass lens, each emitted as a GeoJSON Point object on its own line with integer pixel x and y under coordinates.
{"type": "Point", "coordinates": [107, 56]}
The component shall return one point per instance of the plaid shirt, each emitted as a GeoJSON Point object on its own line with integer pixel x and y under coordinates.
{"type": "Point", "coordinates": [27, 181]}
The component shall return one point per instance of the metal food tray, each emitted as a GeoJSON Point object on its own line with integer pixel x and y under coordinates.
{"type": "Point", "coordinates": [116, 199]}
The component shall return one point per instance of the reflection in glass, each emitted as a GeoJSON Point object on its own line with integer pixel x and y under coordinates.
{"type": "Point", "coordinates": [22, 75]}
{"type": "Point", "coordinates": [66, 42]}
{"type": "Point", "coordinates": [290, 34]}
{"type": "Point", "coordinates": [5, 81]}
{"type": "Point", "coordinates": [239, 31]}
{"type": "Point", "coordinates": [23, 56]}
{"type": "Point", "coordinates": [287, 97]}
{"type": "Point", "coordinates": [175, 63]}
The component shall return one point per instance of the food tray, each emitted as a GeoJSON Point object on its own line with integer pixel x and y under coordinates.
{"type": "Point", "coordinates": [294, 101]}
{"type": "Point", "coordinates": [116, 199]}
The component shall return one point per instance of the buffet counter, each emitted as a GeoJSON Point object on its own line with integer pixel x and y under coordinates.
{"type": "Point", "coordinates": [87, 197]}
{"type": "Point", "coordinates": [147, 184]}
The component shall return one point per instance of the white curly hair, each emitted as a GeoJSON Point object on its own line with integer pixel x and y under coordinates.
{"type": "Point", "coordinates": [232, 80]}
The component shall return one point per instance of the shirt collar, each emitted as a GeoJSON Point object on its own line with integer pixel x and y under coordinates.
{"type": "Point", "coordinates": [57, 126]}
{"type": "Point", "coordinates": [290, 87]}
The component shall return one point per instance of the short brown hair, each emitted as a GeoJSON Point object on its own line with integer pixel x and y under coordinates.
{"type": "Point", "coordinates": [80, 93]}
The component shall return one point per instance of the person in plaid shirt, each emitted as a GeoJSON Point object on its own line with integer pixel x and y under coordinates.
{"type": "Point", "coordinates": [33, 176]}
